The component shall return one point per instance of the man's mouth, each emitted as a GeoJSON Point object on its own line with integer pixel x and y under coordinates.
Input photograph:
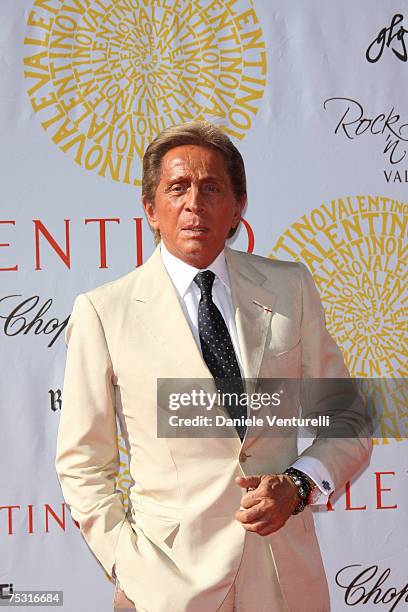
{"type": "Point", "coordinates": [196, 229]}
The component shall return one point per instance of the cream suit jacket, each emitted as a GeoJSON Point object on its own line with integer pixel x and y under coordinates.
{"type": "Point", "coordinates": [179, 546]}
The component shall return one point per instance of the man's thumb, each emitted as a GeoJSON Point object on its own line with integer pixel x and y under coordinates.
{"type": "Point", "coordinates": [248, 481]}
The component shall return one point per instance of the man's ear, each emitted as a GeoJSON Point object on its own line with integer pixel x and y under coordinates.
{"type": "Point", "coordinates": [240, 205]}
{"type": "Point", "coordinates": [150, 213]}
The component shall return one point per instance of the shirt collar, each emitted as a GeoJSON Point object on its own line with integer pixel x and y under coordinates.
{"type": "Point", "coordinates": [182, 274]}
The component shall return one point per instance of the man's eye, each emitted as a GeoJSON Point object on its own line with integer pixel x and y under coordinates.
{"type": "Point", "coordinates": [178, 188]}
{"type": "Point", "coordinates": [210, 188]}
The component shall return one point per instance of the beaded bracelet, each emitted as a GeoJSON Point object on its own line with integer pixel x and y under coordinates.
{"type": "Point", "coordinates": [304, 486]}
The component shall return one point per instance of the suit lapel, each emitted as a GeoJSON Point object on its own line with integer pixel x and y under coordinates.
{"type": "Point", "coordinates": [160, 312]}
{"type": "Point", "coordinates": [253, 308]}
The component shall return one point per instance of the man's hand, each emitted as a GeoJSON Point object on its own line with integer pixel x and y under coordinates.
{"type": "Point", "coordinates": [269, 504]}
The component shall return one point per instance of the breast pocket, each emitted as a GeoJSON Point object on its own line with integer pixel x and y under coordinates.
{"type": "Point", "coordinates": [283, 335]}
{"type": "Point", "coordinates": [282, 362]}
{"type": "Point", "coordinates": [282, 349]}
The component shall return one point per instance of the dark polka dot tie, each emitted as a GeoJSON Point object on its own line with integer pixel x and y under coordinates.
{"type": "Point", "coordinates": [217, 349]}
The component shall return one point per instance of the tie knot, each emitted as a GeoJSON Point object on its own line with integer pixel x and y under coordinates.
{"type": "Point", "coordinates": [205, 281]}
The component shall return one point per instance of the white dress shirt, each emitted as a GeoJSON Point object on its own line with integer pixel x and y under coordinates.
{"type": "Point", "coordinates": [182, 276]}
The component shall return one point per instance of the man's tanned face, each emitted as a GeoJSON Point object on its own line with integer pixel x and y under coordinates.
{"type": "Point", "coordinates": [195, 206]}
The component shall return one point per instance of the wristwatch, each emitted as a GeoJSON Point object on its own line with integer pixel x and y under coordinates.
{"type": "Point", "coordinates": [305, 487]}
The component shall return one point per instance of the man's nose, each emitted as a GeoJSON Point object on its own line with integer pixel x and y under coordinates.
{"type": "Point", "coordinates": [194, 200]}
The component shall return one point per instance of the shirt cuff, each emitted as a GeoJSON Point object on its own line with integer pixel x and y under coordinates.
{"type": "Point", "coordinates": [315, 469]}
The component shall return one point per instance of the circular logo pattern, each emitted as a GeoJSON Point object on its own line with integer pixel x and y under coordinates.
{"type": "Point", "coordinates": [106, 76]}
{"type": "Point", "coordinates": [357, 251]}
{"type": "Point", "coordinates": [123, 478]}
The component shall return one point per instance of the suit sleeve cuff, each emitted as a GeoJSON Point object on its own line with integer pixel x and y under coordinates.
{"type": "Point", "coordinates": [315, 469]}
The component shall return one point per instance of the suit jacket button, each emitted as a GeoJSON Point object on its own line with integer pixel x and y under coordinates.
{"type": "Point", "coordinates": [243, 456]}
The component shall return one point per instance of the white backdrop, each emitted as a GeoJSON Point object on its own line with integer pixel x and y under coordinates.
{"type": "Point", "coordinates": [314, 94]}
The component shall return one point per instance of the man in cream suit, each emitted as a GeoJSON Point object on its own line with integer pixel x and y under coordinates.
{"type": "Point", "coordinates": [214, 523]}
